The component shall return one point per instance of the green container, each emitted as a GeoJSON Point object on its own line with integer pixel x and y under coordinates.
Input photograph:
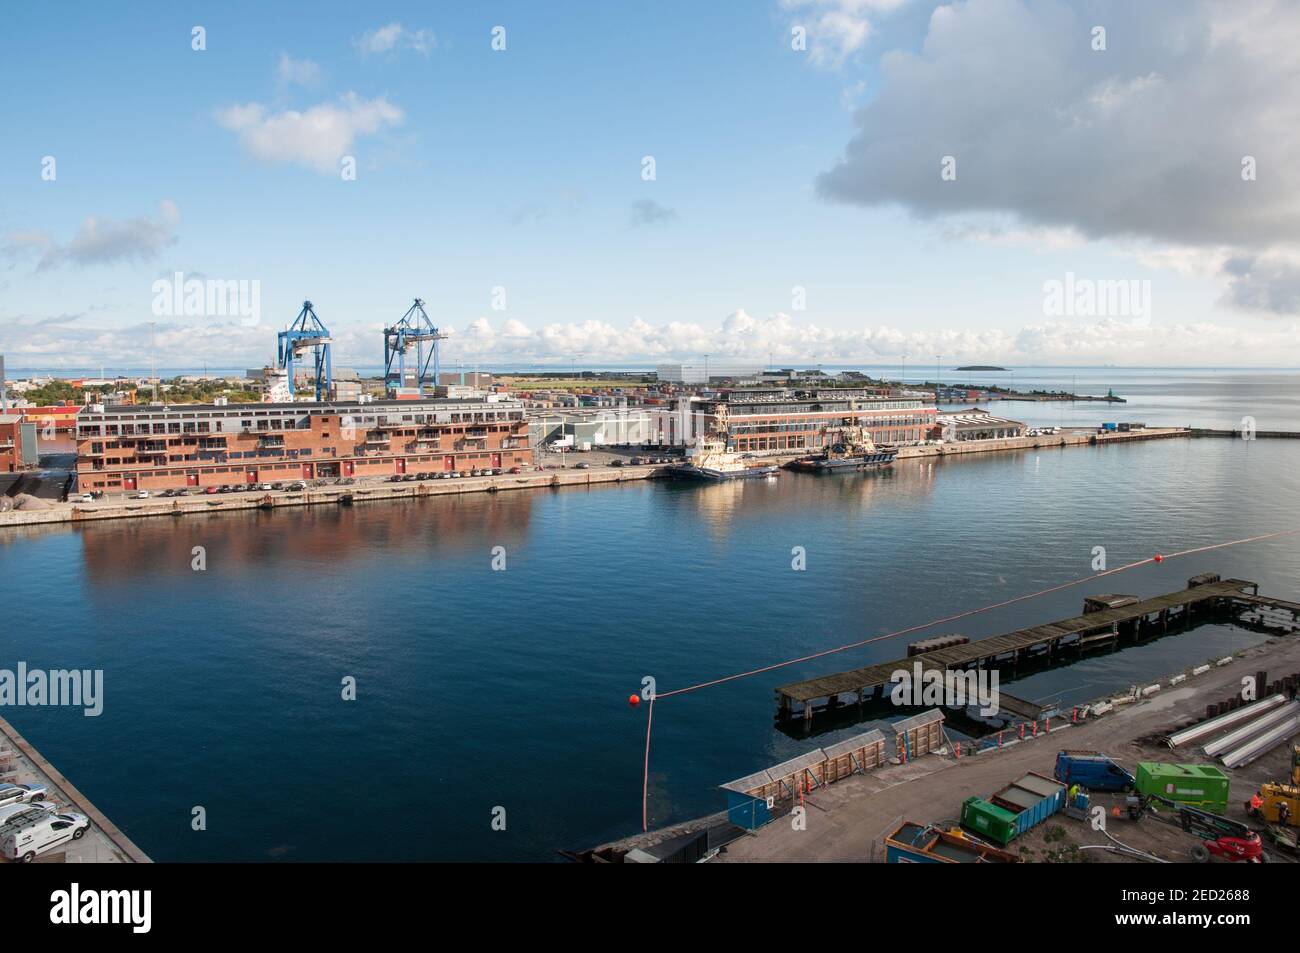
{"type": "Point", "coordinates": [988, 820]}
{"type": "Point", "coordinates": [1196, 785]}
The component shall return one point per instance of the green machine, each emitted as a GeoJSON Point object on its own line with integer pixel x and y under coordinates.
{"type": "Point", "coordinates": [1196, 785]}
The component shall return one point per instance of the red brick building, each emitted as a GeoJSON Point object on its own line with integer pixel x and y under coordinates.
{"type": "Point", "coordinates": [147, 447]}
{"type": "Point", "coordinates": [11, 442]}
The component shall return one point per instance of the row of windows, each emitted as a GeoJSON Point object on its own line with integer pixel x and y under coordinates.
{"type": "Point", "coordinates": [289, 421]}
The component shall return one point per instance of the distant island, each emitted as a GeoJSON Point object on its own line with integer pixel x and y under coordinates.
{"type": "Point", "coordinates": [981, 367]}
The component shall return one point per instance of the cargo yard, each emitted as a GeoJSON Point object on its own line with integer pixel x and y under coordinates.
{"type": "Point", "coordinates": [1170, 766]}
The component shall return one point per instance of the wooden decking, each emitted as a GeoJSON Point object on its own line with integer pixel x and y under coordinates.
{"type": "Point", "coordinates": [1036, 641]}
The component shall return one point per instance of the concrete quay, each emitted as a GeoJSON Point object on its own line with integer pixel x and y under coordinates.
{"type": "Point", "coordinates": [104, 843]}
{"type": "Point", "coordinates": [374, 490]}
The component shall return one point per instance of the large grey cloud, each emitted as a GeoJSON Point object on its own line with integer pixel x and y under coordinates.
{"type": "Point", "coordinates": [1144, 140]}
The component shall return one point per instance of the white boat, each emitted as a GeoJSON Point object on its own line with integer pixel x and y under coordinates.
{"type": "Point", "coordinates": [712, 461]}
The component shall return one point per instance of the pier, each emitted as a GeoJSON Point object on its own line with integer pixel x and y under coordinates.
{"type": "Point", "coordinates": [1105, 620]}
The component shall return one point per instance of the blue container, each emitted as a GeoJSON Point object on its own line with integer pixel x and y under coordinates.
{"type": "Point", "coordinates": [1032, 799]}
{"type": "Point", "coordinates": [747, 811]}
{"type": "Point", "coordinates": [1092, 770]}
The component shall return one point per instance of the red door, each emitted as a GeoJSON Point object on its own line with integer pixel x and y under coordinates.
{"type": "Point", "coordinates": [307, 471]}
{"type": "Point", "coordinates": [128, 483]}
{"type": "Point", "coordinates": [401, 465]}
{"type": "Point", "coordinates": [250, 476]}
{"type": "Point", "coordinates": [496, 460]}
{"type": "Point", "coordinates": [349, 468]}
{"type": "Point", "coordinates": [191, 479]}
{"type": "Point", "coordinates": [449, 463]}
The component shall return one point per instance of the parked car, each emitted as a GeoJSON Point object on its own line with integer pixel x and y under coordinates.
{"type": "Point", "coordinates": [410, 478]}
{"type": "Point", "coordinates": [616, 462]}
{"type": "Point", "coordinates": [516, 469]}
{"type": "Point", "coordinates": [142, 495]}
{"type": "Point", "coordinates": [211, 489]}
{"type": "Point", "coordinates": [85, 498]}
{"type": "Point", "coordinates": [21, 793]}
{"type": "Point", "coordinates": [27, 840]}
{"type": "Point", "coordinates": [277, 486]}
{"type": "Point", "coordinates": [584, 466]}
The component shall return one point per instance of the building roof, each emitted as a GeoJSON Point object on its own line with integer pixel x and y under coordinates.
{"type": "Point", "coordinates": [303, 406]}
{"type": "Point", "coordinates": [978, 419]}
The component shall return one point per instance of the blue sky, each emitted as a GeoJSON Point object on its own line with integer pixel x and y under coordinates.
{"type": "Point", "coordinates": [521, 169]}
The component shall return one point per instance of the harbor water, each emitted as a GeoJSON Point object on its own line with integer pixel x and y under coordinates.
{"type": "Point", "coordinates": [494, 639]}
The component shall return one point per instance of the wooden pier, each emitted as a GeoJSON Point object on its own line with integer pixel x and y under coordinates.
{"type": "Point", "coordinates": [1106, 620]}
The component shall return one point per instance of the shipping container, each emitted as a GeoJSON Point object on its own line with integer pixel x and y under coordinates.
{"type": "Point", "coordinates": [1092, 770]}
{"type": "Point", "coordinates": [988, 820]}
{"type": "Point", "coordinates": [1197, 785]}
{"type": "Point", "coordinates": [913, 843]}
{"type": "Point", "coordinates": [1030, 799]}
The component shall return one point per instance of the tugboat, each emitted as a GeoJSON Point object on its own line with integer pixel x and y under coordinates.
{"type": "Point", "coordinates": [713, 462]}
{"type": "Point", "coordinates": [847, 449]}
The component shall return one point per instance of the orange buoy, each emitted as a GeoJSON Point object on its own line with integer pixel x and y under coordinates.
{"type": "Point", "coordinates": [634, 700]}
{"type": "Point", "coordinates": [1159, 558]}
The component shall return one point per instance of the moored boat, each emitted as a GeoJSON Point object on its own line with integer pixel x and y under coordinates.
{"type": "Point", "coordinates": [847, 449]}
{"type": "Point", "coordinates": [714, 463]}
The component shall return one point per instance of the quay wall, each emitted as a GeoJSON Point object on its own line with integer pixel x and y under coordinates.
{"type": "Point", "coordinates": [360, 493]}
{"type": "Point", "coordinates": [368, 492]}
{"type": "Point", "coordinates": [78, 800]}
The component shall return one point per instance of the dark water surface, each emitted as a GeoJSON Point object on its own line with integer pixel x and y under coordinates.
{"type": "Point", "coordinates": [480, 689]}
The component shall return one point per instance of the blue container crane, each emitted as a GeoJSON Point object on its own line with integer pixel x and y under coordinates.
{"type": "Point", "coordinates": [413, 330]}
{"type": "Point", "coordinates": [306, 332]}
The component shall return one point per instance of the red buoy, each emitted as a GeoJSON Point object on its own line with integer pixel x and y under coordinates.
{"type": "Point", "coordinates": [1159, 558]}
{"type": "Point", "coordinates": [634, 700]}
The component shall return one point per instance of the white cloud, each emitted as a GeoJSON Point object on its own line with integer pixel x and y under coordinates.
{"type": "Point", "coordinates": [837, 29]}
{"type": "Point", "coordinates": [75, 341]}
{"type": "Point", "coordinates": [1140, 143]}
{"type": "Point", "coordinates": [741, 335]}
{"type": "Point", "coordinates": [394, 36]}
{"type": "Point", "coordinates": [99, 241]}
{"type": "Point", "coordinates": [317, 137]}
{"type": "Point", "coordinates": [292, 72]}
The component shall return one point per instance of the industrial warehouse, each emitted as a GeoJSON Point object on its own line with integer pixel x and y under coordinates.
{"type": "Point", "coordinates": [158, 448]}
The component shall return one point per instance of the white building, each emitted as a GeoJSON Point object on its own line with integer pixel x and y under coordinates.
{"type": "Point", "coordinates": [703, 373]}
{"type": "Point", "coordinates": [978, 424]}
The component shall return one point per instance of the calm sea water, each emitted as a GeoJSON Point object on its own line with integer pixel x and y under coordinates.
{"type": "Point", "coordinates": [482, 689]}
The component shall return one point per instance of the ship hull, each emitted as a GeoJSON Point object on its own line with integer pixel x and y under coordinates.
{"type": "Point", "coordinates": [711, 475]}
{"type": "Point", "coordinates": [869, 461]}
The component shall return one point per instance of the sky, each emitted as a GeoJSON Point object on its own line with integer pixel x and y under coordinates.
{"type": "Point", "coordinates": [788, 181]}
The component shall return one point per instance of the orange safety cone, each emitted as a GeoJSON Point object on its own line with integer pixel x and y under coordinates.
{"type": "Point", "coordinates": [1074, 716]}
{"type": "Point", "coordinates": [1035, 728]}
{"type": "Point", "coordinates": [1022, 731]}
{"type": "Point", "coordinates": [999, 739]}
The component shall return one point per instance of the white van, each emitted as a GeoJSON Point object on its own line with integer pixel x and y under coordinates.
{"type": "Point", "coordinates": [25, 838]}
{"type": "Point", "coordinates": [35, 808]}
